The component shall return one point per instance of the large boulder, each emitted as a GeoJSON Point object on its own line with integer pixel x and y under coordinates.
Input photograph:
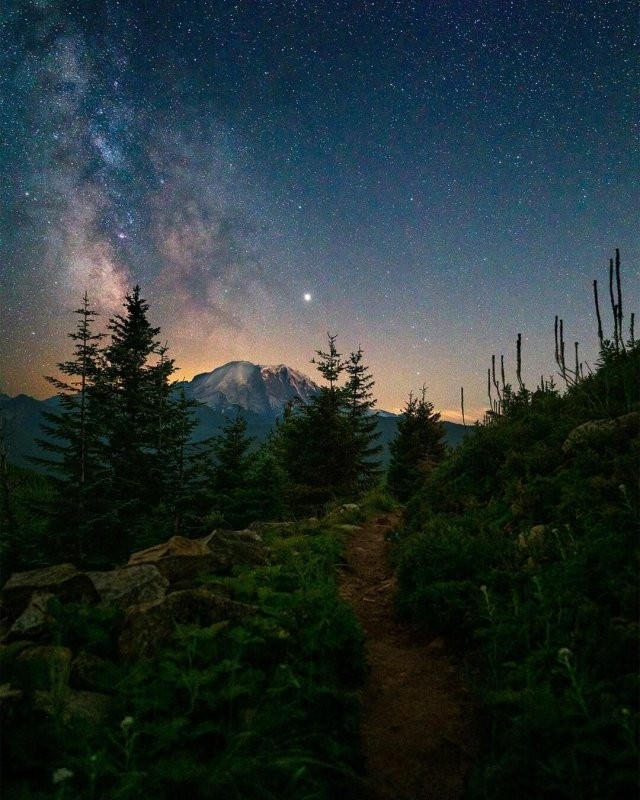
{"type": "Point", "coordinates": [121, 588]}
{"type": "Point", "coordinates": [149, 626]}
{"type": "Point", "coordinates": [232, 548]}
{"type": "Point", "coordinates": [35, 620]}
{"type": "Point", "coordinates": [182, 560]}
{"type": "Point", "coordinates": [62, 580]}
{"type": "Point", "coordinates": [178, 560]}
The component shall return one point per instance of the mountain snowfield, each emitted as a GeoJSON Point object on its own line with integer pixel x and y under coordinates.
{"type": "Point", "coordinates": [263, 390]}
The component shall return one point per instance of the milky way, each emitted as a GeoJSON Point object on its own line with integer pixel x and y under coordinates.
{"type": "Point", "coordinates": [435, 176]}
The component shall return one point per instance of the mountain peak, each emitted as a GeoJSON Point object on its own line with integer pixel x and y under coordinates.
{"type": "Point", "coordinates": [259, 388]}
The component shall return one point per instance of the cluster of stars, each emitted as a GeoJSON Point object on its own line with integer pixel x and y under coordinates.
{"type": "Point", "coordinates": [431, 176]}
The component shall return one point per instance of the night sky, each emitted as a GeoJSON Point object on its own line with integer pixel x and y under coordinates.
{"type": "Point", "coordinates": [425, 179]}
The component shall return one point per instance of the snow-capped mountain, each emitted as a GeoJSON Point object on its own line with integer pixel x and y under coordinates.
{"type": "Point", "coordinates": [263, 390]}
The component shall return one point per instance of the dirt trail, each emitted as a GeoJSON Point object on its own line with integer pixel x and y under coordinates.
{"type": "Point", "coordinates": [417, 729]}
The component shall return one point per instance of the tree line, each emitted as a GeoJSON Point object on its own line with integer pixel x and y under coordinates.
{"type": "Point", "coordinates": [126, 473]}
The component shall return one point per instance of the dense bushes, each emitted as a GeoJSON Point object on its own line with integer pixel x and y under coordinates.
{"type": "Point", "coordinates": [524, 545]}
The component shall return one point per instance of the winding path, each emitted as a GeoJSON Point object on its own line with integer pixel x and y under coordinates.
{"type": "Point", "coordinates": [417, 724]}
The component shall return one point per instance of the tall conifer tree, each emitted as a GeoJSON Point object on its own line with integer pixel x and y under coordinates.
{"type": "Point", "coordinates": [417, 447]}
{"type": "Point", "coordinates": [327, 446]}
{"type": "Point", "coordinates": [74, 435]}
{"type": "Point", "coordinates": [359, 403]}
{"type": "Point", "coordinates": [118, 444]}
{"type": "Point", "coordinates": [147, 425]}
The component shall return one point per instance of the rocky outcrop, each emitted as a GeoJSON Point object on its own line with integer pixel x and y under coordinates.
{"type": "Point", "coordinates": [179, 560]}
{"type": "Point", "coordinates": [34, 621]}
{"type": "Point", "coordinates": [158, 589]}
{"type": "Point", "coordinates": [231, 548]}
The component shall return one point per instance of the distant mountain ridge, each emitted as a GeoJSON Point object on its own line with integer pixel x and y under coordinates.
{"type": "Point", "coordinates": [259, 393]}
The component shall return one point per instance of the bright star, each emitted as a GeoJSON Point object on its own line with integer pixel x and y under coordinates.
{"type": "Point", "coordinates": [307, 297]}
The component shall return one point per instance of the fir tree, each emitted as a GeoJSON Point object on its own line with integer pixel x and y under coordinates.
{"type": "Point", "coordinates": [222, 474]}
{"type": "Point", "coordinates": [74, 440]}
{"type": "Point", "coordinates": [313, 443]}
{"type": "Point", "coordinates": [118, 444]}
{"type": "Point", "coordinates": [176, 457]}
{"type": "Point", "coordinates": [417, 447]}
{"type": "Point", "coordinates": [147, 427]}
{"type": "Point", "coordinates": [359, 403]}
{"type": "Point", "coordinates": [266, 487]}
{"type": "Point", "coordinates": [330, 365]}
{"type": "Point", "coordinates": [327, 446]}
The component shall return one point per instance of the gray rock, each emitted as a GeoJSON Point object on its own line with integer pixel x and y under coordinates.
{"type": "Point", "coordinates": [34, 621]}
{"type": "Point", "coordinates": [62, 580]}
{"type": "Point", "coordinates": [181, 561]}
{"type": "Point", "coordinates": [149, 626]}
{"type": "Point", "coordinates": [121, 588]}
{"type": "Point", "coordinates": [231, 548]}
{"type": "Point", "coordinates": [178, 560]}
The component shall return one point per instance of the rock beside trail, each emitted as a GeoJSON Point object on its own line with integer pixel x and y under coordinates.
{"type": "Point", "coordinates": [182, 560]}
{"type": "Point", "coordinates": [34, 621]}
{"type": "Point", "coordinates": [231, 548]}
{"type": "Point", "coordinates": [149, 626]}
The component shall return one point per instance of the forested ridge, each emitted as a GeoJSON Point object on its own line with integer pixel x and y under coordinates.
{"type": "Point", "coordinates": [519, 548]}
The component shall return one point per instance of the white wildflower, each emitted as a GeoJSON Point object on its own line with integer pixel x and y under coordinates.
{"type": "Point", "coordinates": [126, 723]}
{"type": "Point", "coordinates": [564, 654]}
{"type": "Point", "coordinates": [61, 775]}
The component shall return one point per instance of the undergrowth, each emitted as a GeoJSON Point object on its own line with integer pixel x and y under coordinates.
{"type": "Point", "coordinates": [264, 708]}
{"type": "Point", "coordinates": [525, 551]}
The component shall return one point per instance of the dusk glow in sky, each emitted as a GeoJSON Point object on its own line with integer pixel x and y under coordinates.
{"type": "Point", "coordinates": [425, 179]}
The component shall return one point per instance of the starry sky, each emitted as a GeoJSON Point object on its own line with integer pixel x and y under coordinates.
{"type": "Point", "coordinates": [425, 179]}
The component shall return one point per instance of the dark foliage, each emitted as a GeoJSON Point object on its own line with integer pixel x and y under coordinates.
{"type": "Point", "coordinates": [328, 446]}
{"type": "Point", "coordinates": [263, 708]}
{"type": "Point", "coordinates": [417, 448]}
{"type": "Point", "coordinates": [523, 545]}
